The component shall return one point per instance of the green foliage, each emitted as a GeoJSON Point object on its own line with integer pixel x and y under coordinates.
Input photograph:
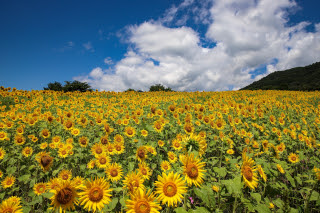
{"type": "Point", "coordinates": [159, 87]}
{"type": "Point", "coordinates": [69, 86]}
{"type": "Point", "coordinates": [299, 78]}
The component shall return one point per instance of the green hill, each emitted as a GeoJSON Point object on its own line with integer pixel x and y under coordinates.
{"type": "Point", "coordinates": [299, 78]}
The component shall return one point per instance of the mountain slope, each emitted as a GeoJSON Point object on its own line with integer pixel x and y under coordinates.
{"type": "Point", "coordinates": [299, 78]}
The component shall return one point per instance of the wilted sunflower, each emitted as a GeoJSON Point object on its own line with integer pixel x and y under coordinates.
{"type": "Point", "coordinates": [95, 194]}
{"type": "Point", "coordinates": [144, 170]}
{"type": "Point", "coordinates": [248, 172]}
{"type": "Point", "coordinates": [130, 131]}
{"type": "Point", "coordinates": [40, 188]}
{"type": "Point", "coordinates": [2, 153]}
{"type": "Point", "coordinates": [193, 169]}
{"type": "Point", "coordinates": [8, 206]}
{"type": "Point", "coordinates": [65, 174]}
{"type": "Point", "coordinates": [8, 182]}
{"type": "Point", "coordinates": [45, 160]}
{"type": "Point", "coordinates": [27, 151]}
{"type": "Point", "coordinates": [65, 196]}
{"type": "Point", "coordinates": [114, 172]}
{"type": "Point", "coordinates": [142, 202]}
{"type": "Point", "coordinates": [133, 181]}
{"type": "Point", "coordinates": [170, 188]}
{"type": "Point", "coordinates": [293, 158]}
{"type": "Point", "coordinates": [141, 154]}
{"type": "Point", "coordinates": [102, 160]}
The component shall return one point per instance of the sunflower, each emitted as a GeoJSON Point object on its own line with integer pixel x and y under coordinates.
{"type": "Point", "coordinates": [176, 144]}
{"type": "Point", "coordinates": [118, 147]}
{"type": "Point", "coordinates": [1, 174]}
{"type": "Point", "coordinates": [97, 149]}
{"type": "Point", "coordinates": [102, 160]}
{"type": "Point", "coordinates": [91, 164]}
{"type": "Point", "coordinates": [8, 182]}
{"type": "Point", "coordinates": [248, 172]}
{"type": "Point", "coordinates": [172, 157]}
{"type": "Point", "coordinates": [195, 143]}
{"type": "Point", "coordinates": [2, 153]}
{"type": "Point", "coordinates": [63, 153]}
{"type": "Point", "coordinates": [141, 153]}
{"type": "Point", "coordinates": [144, 170]}
{"type": "Point", "coordinates": [193, 169]}
{"type": "Point", "coordinates": [144, 133]}
{"type": "Point", "coordinates": [215, 188]}
{"type": "Point", "coordinates": [45, 160]}
{"type": "Point", "coordinates": [53, 183]}
{"type": "Point", "coordinates": [3, 135]}
{"type": "Point", "coordinates": [280, 169]}
{"type": "Point", "coordinates": [118, 139]}
{"type": "Point", "coordinates": [78, 180]}
{"type": "Point", "coordinates": [68, 125]}
{"type": "Point", "coordinates": [40, 188]}
{"type": "Point", "coordinates": [142, 202]}
{"type": "Point", "coordinates": [43, 145]}
{"type": "Point", "coordinates": [130, 131]}
{"type": "Point", "coordinates": [261, 173]}
{"type": "Point", "coordinates": [65, 174]}
{"type": "Point", "coordinates": [95, 194]}
{"type": "Point", "coordinates": [27, 151]}
{"type": "Point", "coordinates": [114, 172]}
{"type": "Point", "coordinates": [45, 133]}
{"type": "Point", "coordinates": [65, 196]}
{"type": "Point", "coordinates": [110, 149]}
{"type": "Point", "coordinates": [230, 151]}
{"type": "Point", "coordinates": [188, 128]}
{"type": "Point", "coordinates": [170, 188]}
{"type": "Point", "coordinates": [165, 165]}
{"type": "Point", "coordinates": [281, 147]}
{"type": "Point", "coordinates": [9, 206]}
{"type": "Point", "coordinates": [83, 141]}
{"type": "Point", "coordinates": [19, 140]}
{"type": "Point", "coordinates": [293, 158]}
{"type": "Point", "coordinates": [75, 131]}
{"type": "Point", "coordinates": [158, 126]}
{"type": "Point", "coordinates": [160, 143]}
{"type": "Point", "coordinates": [133, 181]}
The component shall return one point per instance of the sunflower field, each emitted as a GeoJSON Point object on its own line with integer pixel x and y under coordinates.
{"type": "Point", "coordinates": [149, 152]}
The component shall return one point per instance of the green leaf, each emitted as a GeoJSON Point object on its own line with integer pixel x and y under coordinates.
{"type": "Point", "coordinates": [24, 178]}
{"type": "Point", "coordinates": [256, 196]}
{"type": "Point", "coordinates": [55, 172]}
{"type": "Point", "coordinates": [11, 170]}
{"type": "Point", "coordinates": [292, 210]}
{"type": "Point", "coordinates": [113, 204]}
{"type": "Point", "coordinates": [206, 195]}
{"type": "Point", "coordinates": [222, 172]}
{"type": "Point", "coordinates": [48, 195]}
{"type": "Point", "coordinates": [201, 210]}
{"type": "Point", "coordinates": [180, 210]}
{"type": "Point", "coordinates": [118, 189]}
{"type": "Point", "coordinates": [262, 208]}
{"type": "Point", "coordinates": [26, 209]}
{"type": "Point", "coordinates": [314, 196]}
{"type": "Point", "coordinates": [233, 185]}
{"type": "Point", "coordinates": [2, 195]}
{"type": "Point", "coordinates": [131, 166]}
{"type": "Point", "coordinates": [279, 203]}
{"type": "Point", "coordinates": [290, 179]}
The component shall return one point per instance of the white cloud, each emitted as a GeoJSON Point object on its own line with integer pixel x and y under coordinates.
{"type": "Point", "coordinates": [108, 61]}
{"type": "Point", "coordinates": [247, 34]}
{"type": "Point", "coordinates": [88, 46]}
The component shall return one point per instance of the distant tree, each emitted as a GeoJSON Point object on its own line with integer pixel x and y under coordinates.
{"type": "Point", "coordinates": [159, 87]}
{"type": "Point", "coordinates": [128, 90]}
{"type": "Point", "coordinates": [56, 86]}
{"type": "Point", "coordinates": [69, 86]}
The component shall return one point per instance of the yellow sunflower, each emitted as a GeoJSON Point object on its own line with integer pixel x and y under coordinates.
{"type": "Point", "coordinates": [2, 153]}
{"type": "Point", "coordinates": [110, 149]}
{"type": "Point", "coordinates": [280, 169]}
{"type": "Point", "coordinates": [144, 170]}
{"type": "Point", "coordinates": [3, 135]}
{"type": "Point", "coordinates": [95, 194]}
{"type": "Point", "coordinates": [45, 160]}
{"type": "Point", "coordinates": [248, 172]}
{"type": "Point", "coordinates": [53, 183]}
{"type": "Point", "coordinates": [27, 151]}
{"type": "Point", "coordinates": [118, 139]}
{"type": "Point", "coordinates": [144, 133]}
{"type": "Point", "coordinates": [261, 173]}
{"type": "Point", "coordinates": [75, 131]}
{"type": "Point", "coordinates": [65, 174]}
{"type": "Point", "coordinates": [142, 202]}
{"type": "Point", "coordinates": [141, 154]}
{"type": "Point", "coordinates": [129, 131]}
{"type": "Point", "coordinates": [91, 164]}
{"type": "Point", "coordinates": [45, 133]}
{"type": "Point", "coordinates": [118, 147]}
{"type": "Point", "coordinates": [40, 188]}
{"type": "Point", "coordinates": [78, 180]}
{"type": "Point", "coordinates": [8, 182]}
{"type": "Point", "coordinates": [160, 143]}
{"type": "Point", "coordinates": [63, 153]}
{"type": "Point", "coordinates": [293, 158]}
{"type": "Point", "coordinates": [114, 172]}
{"type": "Point", "coordinates": [102, 160]}
{"type": "Point", "coordinates": [83, 141]}
{"type": "Point", "coordinates": [170, 188]}
{"type": "Point", "coordinates": [172, 157]}
{"type": "Point", "coordinates": [193, 169]}
{"type": "Point", "coordinates": [9, 206]}
{"type": "Point", "coordinates": [195, 143]}
{"type": "Point", "coordinates": [165, 165]}
{"type": "Point", "coordinates": [215, 188]}
{"type": "Point", "coordinates": [65, 196]}
{"type": "Point", "coordinates": [133, 181]}
{"type": "Point", "coordinates": [19, 140]}
{"type": "Point", "coordinates": [97, 149]}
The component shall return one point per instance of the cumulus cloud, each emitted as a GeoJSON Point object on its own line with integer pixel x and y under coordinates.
{"type": "Point", "coordinates": [244, 34]}
{"type": "Point", "coordinates": [88, 46]}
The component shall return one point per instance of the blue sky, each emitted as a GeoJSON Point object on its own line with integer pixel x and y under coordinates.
{"type": "Point", "coordinates": [185, 44]}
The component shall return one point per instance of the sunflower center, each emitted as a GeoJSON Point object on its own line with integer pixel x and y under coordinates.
{"type": "Point", "coordinates": [118, 148]}
{"type": "Point", "coordinates": [170, 189]}
{"type": "Point", "coordinates": [142, 207]}
{"type": "Point", "coordinates": [45, 161]}
{"type": "Point", "coordinates": [114, 172]}
{"type": "Point", "coordinates": [103, 161]}
{"type": "Point", "coordinates": [98, 150]}
{"type": "Point", "coordinates": [83, 142]}
{"type": "Point", "coordinates": [144, 171]}
{"type": "Point", "coordinates": [110, 149]}
{"type": "Point", "coordinates": [65, 195]}
{"type": "Point", "coordinates": [69, 125]}
{"type": "Point", "coordinates": [27, 152]}
{"type": "Point", "coordinates": [192, 170]}
{"type": "Point", "coordinates": [2, 135]}
{"type": "Point", "coordinates": [141, 154]}
{"type": "Point", "coordinates": [188, 129]}
{"type": "Point", "coordinates": [165, 167]}
{"type": "Point", "coordinates": [45, 133]}
{"type": "Point", "coordinates": [19, 140]}
{"type": "Point", "coordinates": [171, 157]}
{"type": "Point", "coordinates": [95, 194]}
{"type": "Point", "coordinates": [41, 189]}
{"type": "Point", "coordinates": [248, 174]}
{"type": "Point", "coordinates": [129, 132]}
{"type": "Point", "coordinates": [63, 152]}
{"type": "Point", "coordinates": [293, 158]}
{"type": "Point", "coordinates": [65, 177]}
{"type": "Point", "coordinates": [9, 182]}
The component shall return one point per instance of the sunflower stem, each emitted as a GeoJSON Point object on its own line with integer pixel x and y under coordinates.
{"type": "Point", "coordinates": [235, 204]}
{"type": "Point", "coordinates": [306, 209]}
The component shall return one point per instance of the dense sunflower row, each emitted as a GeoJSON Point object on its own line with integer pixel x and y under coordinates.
{"type": "Point", "coordinates": [152, 152]}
